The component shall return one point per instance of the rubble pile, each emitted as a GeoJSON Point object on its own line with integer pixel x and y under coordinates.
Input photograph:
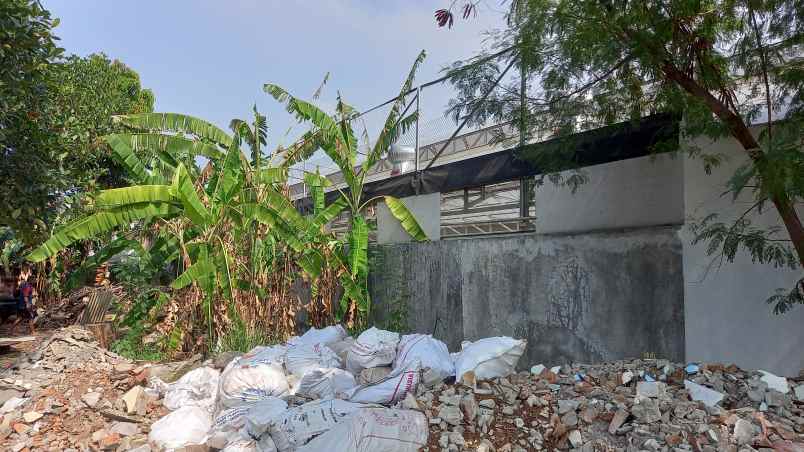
{"type": "Point", "coordinates": [70, 394]}
{"type": "Point", "coordinates": [325, 391]}
{"type": "Point", "coordinates": [638, 405]}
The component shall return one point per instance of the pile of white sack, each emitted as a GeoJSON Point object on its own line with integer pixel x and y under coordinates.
{"type": "Point", "coordinates": [321, 392]}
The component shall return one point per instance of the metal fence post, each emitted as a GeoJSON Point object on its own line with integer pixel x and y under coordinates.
{"type": "Point", "coordinates": [418, 115]}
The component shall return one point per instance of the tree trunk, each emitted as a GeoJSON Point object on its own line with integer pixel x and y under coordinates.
{"type": "Point", "coordinates": [743, 135]}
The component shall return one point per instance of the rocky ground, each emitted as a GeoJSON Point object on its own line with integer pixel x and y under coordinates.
{"type": "Point", "coordinates": [67, 393]}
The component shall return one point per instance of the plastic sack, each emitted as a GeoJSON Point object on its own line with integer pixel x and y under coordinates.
{"type": "Point", "coordinates": [488, 358]}
{"type": "Point", "coordinates": [187, 426]}
{"type": "Point", "coordinates": [264, 444]}
{"type": "Point", "coordinates": [198, 387]}
{"type": "Point", "coordinates": [243, 384]}
{"type": "Point", "coordinates": [432, 353]}
{"type": "Point", "coordinates": [373, 375]}
{"type": "Point", "coordinates": [301, 358]}
{"type": "Point", "coordinates": [326, 336]}
{"type": "Point", "coordinates": [374, 429]}
{"type": "Point", "coordinates": [325, 383]}
{"type": "Point", "coordinates": [299, 425]}
{"type": "Point", "coordinates": [390, 389]}
{"type": "Point", "coordinates": [373, 348]}
{"type": "Point", "coordinates": [341, 348]}
{"type": "Point", "coordinates": [274, 354]}
{"type": "Point", "coordinates": [230, 423]}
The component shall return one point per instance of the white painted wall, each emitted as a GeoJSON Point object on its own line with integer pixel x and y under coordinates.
{"type": "Point", "coordinates": [645, 191]}
{"type": "Point", "coordinates": [727, 319]}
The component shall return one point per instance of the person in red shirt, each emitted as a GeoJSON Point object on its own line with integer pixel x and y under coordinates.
{"type": "Point", "coordinates": [25, 304]}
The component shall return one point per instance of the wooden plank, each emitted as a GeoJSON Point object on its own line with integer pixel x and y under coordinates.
{"type": "Point", "coordinates": [6, 341]}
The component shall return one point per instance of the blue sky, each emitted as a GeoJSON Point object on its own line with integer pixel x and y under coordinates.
{"type": "Point", "coordinates": [211, 58]}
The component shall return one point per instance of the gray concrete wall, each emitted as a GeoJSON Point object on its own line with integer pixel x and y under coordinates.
{"type": "Point", "coordinates": [585, 298]}
{"type": "Point", "coordinates": [727, 319]}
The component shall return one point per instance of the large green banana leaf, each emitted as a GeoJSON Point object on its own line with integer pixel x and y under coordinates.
{"type": "Point", "coordinates": [231, 178]}
{"type": "Point", "coordinates": [270, 176]}
{"type": "Point", "coordinates": [172, 145]}
{"type": "Point", "coordinates": [118, 197]}
{"type": "Point", "coordinates": [352, 291]}
{"type": "Point", "coordinates": [98, 223]}
{"type": "Point", "coordinates": [316, 183]}
{"type": "Point", "coordinates": [358, 247]}
{"type": "Point", "coordinates": [280, 227]}
{"type": "Point", "coordinates": [124, 154]}
{"type": "Point", "coordinates": [185, 191]}
{"type": "Point", "coordinates": [176, 122]}
{"type": "Point", "coordinates": [196, 272]}
{"type": "Point", "coordinates": [408, 221]}
{"type": "Point", "coordinates": [329, 213]}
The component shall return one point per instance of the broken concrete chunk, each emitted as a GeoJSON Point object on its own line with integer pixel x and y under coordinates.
{"type": "Point", "coordinates": [700, 393]}
{"type": "Point", "coordinates": [450, 414]}
{"type": "Point", "coordinates": [652, 389]}
{"type": "Point", "coordinates": [135, 400]}
{"type": "Point", "coordinates": [775, 382]}
{"type": "Point", "coordinates": [800, 393]}
{"type": "Point", "coordinates": [743, 432]}
{"type": "Point", "coordinates": [32, 416]}
{"type": "Point", "coordinates": [91, 398]}
{"type": "Point", "coordinates": [646, 411]}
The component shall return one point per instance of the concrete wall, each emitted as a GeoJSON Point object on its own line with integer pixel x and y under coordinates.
{"type": "Point", "coordinates": [727, 319]}
{"type": "Point", "coordinates": [584, 298]}
{"type": "Point", "coordinates": [645, 191]}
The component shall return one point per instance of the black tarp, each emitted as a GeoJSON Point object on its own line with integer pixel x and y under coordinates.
{"type": "Point", "coordinates": [608, 144]}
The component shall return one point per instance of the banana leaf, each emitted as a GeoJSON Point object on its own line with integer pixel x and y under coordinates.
{"type": "Point", "coordinates": [97, 224]}
{"type": "Point", "coordinates": [196, 272]}
{"type": "Point", "coordinates": [178, 123]}
{"type": "Point", "coordinates": [118, 197]}
{"type": "Point", "coordinates": [408, 221]}
{"type": "Point", "coordinates": [358, 247]}
{"type": "Point", "coordinates": [185, 191]}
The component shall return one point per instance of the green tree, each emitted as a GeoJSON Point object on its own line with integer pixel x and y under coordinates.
{"type": "Point", "coordinates": [53, 109]}
{"type": "Point", "coordinates": [722, 64]}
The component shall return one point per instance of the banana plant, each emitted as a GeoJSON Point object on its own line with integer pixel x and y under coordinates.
{"type": "Point", "coordinates": [335, 136]}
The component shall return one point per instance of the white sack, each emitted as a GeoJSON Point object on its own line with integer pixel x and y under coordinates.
{"type": "Point", "coordinates": [341, 348]}
{"type": "Point", "coordinates": [187, 426]}
{"type": "Point", "coordinates": [325, 383]}
{"type": "Point", "coordinates": [298, 425]}
{"type": "Point", "coordinates": [198, 387]}
{"type": "Point", "coordinates": [244, 443]}
{"type": "Point", "coordinates": [230, 423]}
{"type": "Point", "coordinates": [326, 336]}
{"type": "Point", "coordinates": [374, 429]}
{"type": "Point", "coordinates": [243, 384]}
{"type": "Point", "coordinates": [373, 375]}
{"type": "Point", "coordinates": [488, 358]}
{"type": "Point", "coordinates": [432, 353]}
{"type": "Point", "coordinates": [373, 348]}
{"type": "Point", "coordinates": [272, 354]}
{"type": "Point", "coordinates": [390, 389]}
{"type": "Point", "coordinates": [301, 358]}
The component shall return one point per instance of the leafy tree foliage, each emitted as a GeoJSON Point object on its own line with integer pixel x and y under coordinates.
{"type": "Point", "coordinates": [53, 109]}
{"type": "Point", "coordinates": [722, 64]}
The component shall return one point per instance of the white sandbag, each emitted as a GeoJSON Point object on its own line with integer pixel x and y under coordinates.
{"type": "Point", "coordinates": [390, 389]}
{"type": "Point", "coordinates": [187, 426]}
{"type": "Point", "coordinates": [341, 348]}
{"type": "Point", "coordinates": [298, 425]}
{"type": "Point", "coordinates": [488, 358]}
{"type": "Point", "coordinates": [324, 336]}
{"type": "Point", "coordinates": [243, 384]}
{"type": "Point", "coordinates": [229, 423]}
{"type": "Point", "coordinates": [374, 429]}
{"type": "Point", "coordinates": [373, 348]}
{"type": "Point", "coordinates": [272, 354]}
{"type": "Point", "coordinates": [244, 443]}
{"type": "Point", "coordinates": [325, 383]}
{"type": "Point", "coordinates": [432, 353]}
{"type": "Point", "coordinates": [301, 358]}
{"type": "Point", "coordinates": [373, 375]}
{"type": "Point", "coordinates": [198, 387]}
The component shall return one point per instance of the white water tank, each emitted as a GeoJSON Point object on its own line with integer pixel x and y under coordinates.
{"type": "Point", "coordinates": [402, 158]}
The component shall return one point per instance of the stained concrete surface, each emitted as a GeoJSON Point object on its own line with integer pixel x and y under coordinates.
{"type": "Point", "coordinates": [583, 298]}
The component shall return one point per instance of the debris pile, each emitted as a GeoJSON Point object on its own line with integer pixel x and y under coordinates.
{"type": "Point", "coordinates": [324, 391]}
